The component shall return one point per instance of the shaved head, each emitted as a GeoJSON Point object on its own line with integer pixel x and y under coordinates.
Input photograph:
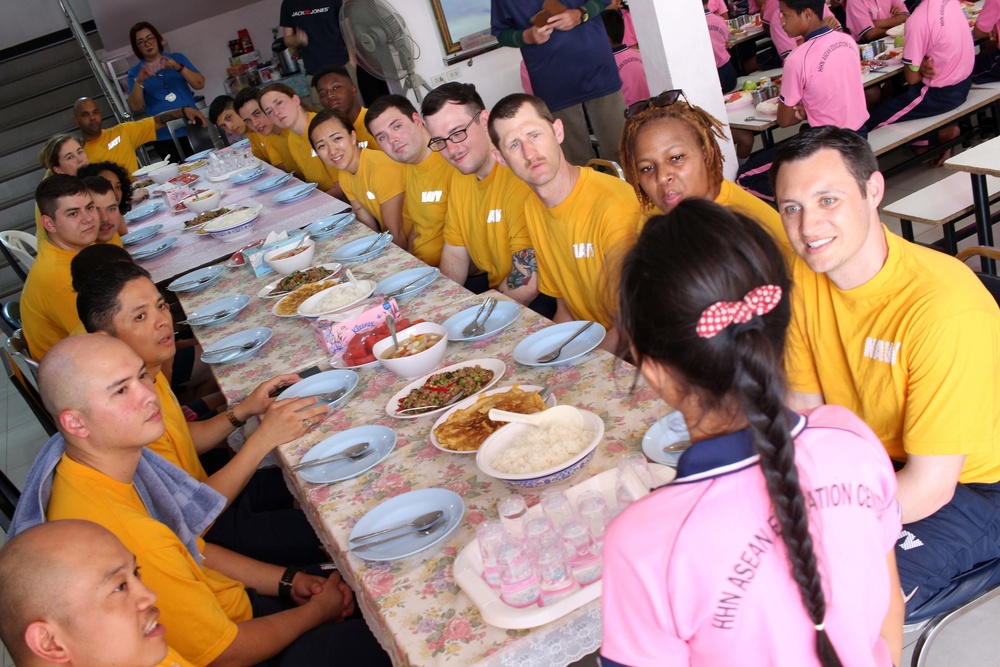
{"type": "Point", "coordinates": [63, 372]}
{"type": "Point", "coordinates": [80, 104]}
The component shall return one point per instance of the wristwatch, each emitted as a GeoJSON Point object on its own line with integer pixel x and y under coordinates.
{"type": "Point", "coordinates": [584, 14]}
{"type": "Point", "coordinates": [231, 410]}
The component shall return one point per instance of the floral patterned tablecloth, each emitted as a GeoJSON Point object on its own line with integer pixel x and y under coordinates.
{"type": "Point", "coordinates": [413, 605]}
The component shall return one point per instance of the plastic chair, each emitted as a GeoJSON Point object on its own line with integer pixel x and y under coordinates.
{"type": "Point", "coordinates": [11, 317]}
{"type": "Point", "coordinates": [9, 495]}
{"type": "Point", "coordinates": [17, 348]}
{"type": "Point", "coordinates": [19, 249]}
{"type": "Point", "coordinates": [28, 392]}
{"type": "Point", "coordinates": [198, 137]}
{"type": "Point", "coordinates": [991, 282]}
{"type": "Point", "coordinates": [609, 166]}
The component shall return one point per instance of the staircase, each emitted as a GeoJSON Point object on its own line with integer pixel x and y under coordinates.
{"type": "Point", "coordinates": [37, 92]}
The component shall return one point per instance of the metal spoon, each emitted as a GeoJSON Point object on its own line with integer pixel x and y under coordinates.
{"type": "Point", "coordinates": [454, 399]}
{"type": "Point", "coordinates": [474, 325]}
{"type": "Point", "coordinates": [422, 532]}
{"type": "Point", "coordinates": [757, 120]}
{"type": "Point", "coordinates": [481, 328]}
{"type": "Point", "coordinates": [390, 322]}
{"type": "Point", "coordinates": [231, 348]}
{"type": "Point", "coordinates": [353, 452]}
{"type": "Point", "coordinates": [422, 522]}
{"type": "Point", "coordinates": [554, 354]}
{"type": "Point", "coordinates": [205, 319]}
{"type": "Point", "coordinates": [411, 283]}
{"type": "Point", "coordinates": [192, 283]}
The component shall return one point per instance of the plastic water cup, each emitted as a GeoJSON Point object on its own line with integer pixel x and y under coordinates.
{"type": "Point", "coordinates": [593, 509]}
{"type": "Point", "coordinates": [512, 510]}
{"type": "Point", "coordinates": [581, 553]}
{"type": "Point", "coordinates": [557, 507]}
{"type": "Point", "coordinates": [490, 534]}
{"type": "Point", "coordinates": [518, 579]}
{"type": "Point", "coordinates": [635, 479]}
{"type": "Point", "coordinates": [555, 577]}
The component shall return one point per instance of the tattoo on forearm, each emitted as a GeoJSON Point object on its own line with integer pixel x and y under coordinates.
{"type": "Point", "coordinates": [523, 267]}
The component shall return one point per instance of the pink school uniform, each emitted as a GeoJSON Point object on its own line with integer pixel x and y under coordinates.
{"type": "Point", "coordinates": [783, 42]}
{"type": "Point", "coordinates": [718, 7]}
{"type": "Point", "coordinates": [939, 29]}
{"type": "Point", "coordinates": [990, 16]}
{"type": "Point", "coordinates": [824, 75]}
{"type": "Point", "coordinates": [718, 31]}
{"type": "Point", "coordinates": [861, 14]}
{"type": "Point", "coordinates": [630, 39]}
{"type": "Point", "coordinates": [633, 76]}
{"type": "Point", "coordinates": [695, 573]}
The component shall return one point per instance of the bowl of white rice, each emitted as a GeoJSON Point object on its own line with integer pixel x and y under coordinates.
{"type": "Point", "coordinates": [530, 457]}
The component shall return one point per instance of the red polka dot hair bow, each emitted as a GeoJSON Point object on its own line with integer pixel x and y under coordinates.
{"type": "Point", "coordinates": [758, 301]}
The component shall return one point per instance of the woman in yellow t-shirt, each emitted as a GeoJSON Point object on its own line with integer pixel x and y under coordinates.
{"type": "Point", "coordinates": [371, 180]}
{"type": "Point", "coordinates": [288, 111]}
{"type": "Point", "coordinates": [670, 152]}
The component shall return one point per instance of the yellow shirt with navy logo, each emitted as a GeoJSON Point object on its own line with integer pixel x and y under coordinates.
{"type": "Point", "coordinates": [914, 352]}
{"type": "Point", "coordinates": [176, 445]}
{"type": "Point", "coordinates": [312, 168]}
{"type": "Point", "coordinates": [119, 143]}
{"type": "Point", "coordinates": [379, 179]}
{"type": "Point", "coordinates": [364, 137]}
{"type": "Point", "coordinates": [426, 205]}
{"type": "Point", "coordinates": [486, 217]}
{"type": "Point", "coordinates": [578, 242]}
{"type": "Point", "coordinates": [199, 607]}
{"type": "Point", "coordinates": [48, 302]}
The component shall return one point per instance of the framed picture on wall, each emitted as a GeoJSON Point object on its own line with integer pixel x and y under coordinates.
{"type": "Point", "coordinates": [464, 24]}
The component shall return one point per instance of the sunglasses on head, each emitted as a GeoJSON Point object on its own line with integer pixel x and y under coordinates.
{"type": "Point", "coordinates": [664, 99]}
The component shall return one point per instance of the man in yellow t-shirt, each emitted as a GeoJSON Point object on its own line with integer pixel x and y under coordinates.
{"type": "Point", "coordinates": [398, 130]}
{"type": "Point", "coordinates": [336, 90]}
{"type": "Point", "coordinates": [70, 594]}
{"type": "Point", "coordinates": [102, 398]}
{"type": "Point", "coordinates": [48, 302]}
{"type": "Point", "coordinates": [261, 130]}
{"type": "Point", "coordinates": [907, 338]}
{"type": "Point", "coordinates": [485, 224]}
{"type": "Point", "coordinates": [581, 221]}
{"type": "Point", "coordinates": [119, 143]}
{"type": "Point", "coordinates": [120, 300]}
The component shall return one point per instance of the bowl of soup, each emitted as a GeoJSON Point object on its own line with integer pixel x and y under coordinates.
{"type": "Point", "coordinates": [421, 349]}
{"type": "Point", "coordinates": [204, 201]}
{"type": "Point", "coordinates": [286, 260]}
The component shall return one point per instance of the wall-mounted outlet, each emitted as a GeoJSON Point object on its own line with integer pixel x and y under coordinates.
{"type": "Point", "coordinates": [445, 77]}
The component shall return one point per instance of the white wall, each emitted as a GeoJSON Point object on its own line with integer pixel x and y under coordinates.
{"type": "Point", "coordinates": [35, 19]}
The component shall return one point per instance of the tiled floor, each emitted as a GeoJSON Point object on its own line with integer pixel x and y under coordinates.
{"type": "Point", "coordinates": [972, 640]}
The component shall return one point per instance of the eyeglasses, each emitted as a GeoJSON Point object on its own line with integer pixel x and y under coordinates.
{"type": "Point", "coordinates": [456, 137]}
{"type": "Point", "coordinates": [146, 41]}
{"type": "Point", "coordinates": [664, 99]}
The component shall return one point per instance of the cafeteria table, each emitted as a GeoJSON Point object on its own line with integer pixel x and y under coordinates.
{"type": "Point", "coordinates": [979, 162]}
{"type": "Point", "coordinates": [413, 605]}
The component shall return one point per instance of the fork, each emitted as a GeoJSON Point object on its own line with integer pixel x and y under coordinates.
{"type": "Point", "coordinates": [471, 329]}
{"type": "Point", "coordinates": [205, 319]}
{"type": "Point", "coordinates": [481, 328]}
{"type": "Point", "coordinates": [249, 345]}
{"type": "Point", "coordinates": [193, 283]}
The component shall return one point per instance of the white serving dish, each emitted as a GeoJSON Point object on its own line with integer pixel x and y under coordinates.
{"type": "Point", "coordinates": [498, 367]}
{"type": "Point", "coordinates": [420, 363]}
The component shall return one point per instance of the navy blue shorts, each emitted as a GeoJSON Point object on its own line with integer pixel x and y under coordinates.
{"type": "Point", "coordinates": [953, 540]}
{"type": "Point", "coordinates": [919, 101]}
{"type": "Point", "coordinates": [727, 76]}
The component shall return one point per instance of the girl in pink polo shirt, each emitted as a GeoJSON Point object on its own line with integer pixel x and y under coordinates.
{"type": "Point", "coordinates": [775, 543]}
{"type": "Point", "coordinates": [718, 31]}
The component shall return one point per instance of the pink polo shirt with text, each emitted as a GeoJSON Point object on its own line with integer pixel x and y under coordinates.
{"type": "Point", "coordinates": [939, 29]}
{"type": "Point", "coordinates": [862, 13]}
{"type": "Point", "coordinates": [824, 74]}
{"type": "Point", "coordinates": [718, 30]}
{"type": "Point", "coordinates": [783, 42]}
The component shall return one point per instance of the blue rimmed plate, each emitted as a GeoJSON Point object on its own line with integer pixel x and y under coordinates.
{"type": "Point", "coordinates": [143, 212]}
{"type": "Point", "coordinates": [155, 249]}
{"type": "Point", "coordinates": [542, 342]}
{"type": "Point", "coordinates": [382, 441]}
{"type": "Point", "coordinates": [218, 312]}
{"type": "Point", "coordinates": [330, 225]}
{"type": "Point", "coordinates": [352, 252]}
{"type": "Point", "coordinates": [396, 281]}
{"type": "Point", "coordinates": [249, 342]}
{"type": "Point", "coordinates": [324, 383]}
{"type": "Point", "coordinates": [199, 155]}
{"type": "Point", "coordinates": [504, 314]}
{"type": "Point", "coordinates": [247, 175]}
{"type": "Point", "coordinates": [272, 183]}
{"type": "Point", "coordinates": [242, 143]}
{"type": "Point", "coordinates": [401, 510]}
{"type": "Point", "coordinates": [294, 194]}
{"type": "Point", "coordinates": [666, 440]}
{"type": "Point", "coordinates": [140, 235]}
{"type": "Point", "coordinates": [196, 280]}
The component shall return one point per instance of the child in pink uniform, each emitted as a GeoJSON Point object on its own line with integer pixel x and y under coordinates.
{"type": "Point", "coordinates": [987, 67]}
{"type": "Point", "coordinates": [718, 31]}
{"type": "Point", "coordinates": [629, 61]}
{"type": "Point", "coordinates": [870, 19]}
{"type": "Point", "coordinates": [783, 42]}
{"type": "Point", "coordinates": [704, 570]}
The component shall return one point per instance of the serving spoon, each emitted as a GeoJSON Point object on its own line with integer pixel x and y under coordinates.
{"type": "Point", "coordinates": [422, 522]}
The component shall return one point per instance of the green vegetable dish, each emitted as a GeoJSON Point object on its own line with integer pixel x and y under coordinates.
{"type": "Point", "coordinates": [442, 387]}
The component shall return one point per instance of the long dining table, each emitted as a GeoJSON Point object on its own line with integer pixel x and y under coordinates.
{"type": "Point", "coordinates": [413, 605]}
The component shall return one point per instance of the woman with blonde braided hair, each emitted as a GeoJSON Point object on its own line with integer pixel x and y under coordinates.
{"type": "Point", "coordinates": [670, 152]}
{"type": "Point", "coordinates": [774, 545]}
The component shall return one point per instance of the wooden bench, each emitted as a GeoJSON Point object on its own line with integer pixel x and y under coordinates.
{"type": "Point", "coordinates": [941, 204]}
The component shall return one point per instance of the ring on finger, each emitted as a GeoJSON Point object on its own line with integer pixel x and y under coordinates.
{"type": "Point", "coordinates": [306, 423]}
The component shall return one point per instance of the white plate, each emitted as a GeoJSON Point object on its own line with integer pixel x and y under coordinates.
{"type": "Point", "coordinates": [324, 383]}
{"type": "Point", "coordinates": [672, 432]}
{"type": "Point", "coordinates": [265, 292]}
{"type": "Point", "coordinates": [330, 225]}
{"type": "Point", "coordinates": [383, 442]}
{"type": "Point", "coordinates": [403, 509]}
{"type": "Point", "coordinates": [397, 280]}
{"type": "Point", "coordinates": [338, 362]}
{"type": "Point", "coordinates": [548, 339]}
{"type": "Point", "coordinates": [274, 308]}
{"type": "Point", "coordinates": [247, 175]}
{"type": "Point", "coordinates": [233, 304]}
{"type": "Point", "coordinates": [294, 194]}
{"type": "Point", "coordinates": [199, 155]}
{"type": "Point", "coordinates": [468, 566]}
{"type": "Point", "coordinates": [261, 334]}
{"type": "Point", "coordinates": [504, 314]}
{"type": "Point", "coordinates": [211, 273]}
{"type": "Point", "coordinates": [143, 171]}
{"type": "Point", "coordinates": [154, 249]}
{"type": "Point", "coordinates": [468, 402]}
{"type": "Point", "coordinates": [140, 235]}
{"type": "Point", "coordinates": [349, 252]}
{"type": "Point", "coordinates": [308, 308]}
{"type": "Point", "coordinates": [498, 367]}
{"type": "Point", "coordinates": [143, 212]}
{"type": "Point", "coordinates": [272, 183]}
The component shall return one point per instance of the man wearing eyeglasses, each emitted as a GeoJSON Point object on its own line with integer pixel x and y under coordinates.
{"type": "Point", "coordinates": [399, 132]}
{"type": "Point", "coordinates": [485, 231]}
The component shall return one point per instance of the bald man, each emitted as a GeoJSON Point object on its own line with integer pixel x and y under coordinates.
{"type": "Point", "coordinates": [70, 594]}
{"type": "Point", "coordinates": [217, 606]}
{"type": "Point", "coordinates": [119, 143]}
